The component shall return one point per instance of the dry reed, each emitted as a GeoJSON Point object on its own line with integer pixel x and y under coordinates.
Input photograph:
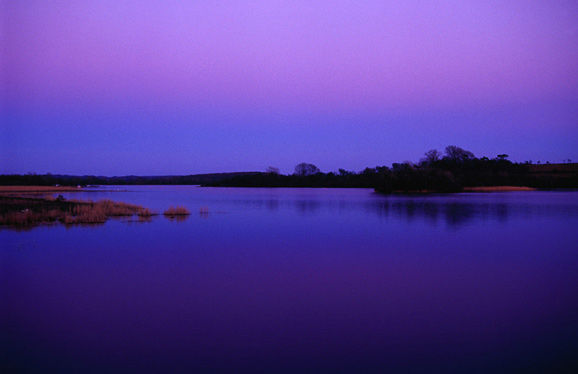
{"type": "Point", "coordinates": [28, 212]}
{"type": "Point", "coordinates": [145, 213]}
{"type": "Point", "coordinates": [177, 211]}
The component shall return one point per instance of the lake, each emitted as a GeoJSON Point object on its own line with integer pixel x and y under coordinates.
{"type": "Point", "coordinates": [298, 280]}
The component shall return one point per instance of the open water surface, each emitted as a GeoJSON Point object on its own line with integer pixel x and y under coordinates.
{"type": "Point", "coordinates": [297, 280]}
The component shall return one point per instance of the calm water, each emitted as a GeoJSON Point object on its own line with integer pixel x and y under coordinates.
{"type": "Point", "coordinates": [298, 280]}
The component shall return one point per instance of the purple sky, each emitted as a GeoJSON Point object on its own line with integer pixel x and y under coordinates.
{"type": "Point", "coordinates": [175, 87]}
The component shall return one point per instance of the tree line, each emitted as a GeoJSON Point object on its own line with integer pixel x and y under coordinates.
{"type": "Point", "coordinates": [449, 171]}
{"type": "Point", "coordinates": [32, 179]}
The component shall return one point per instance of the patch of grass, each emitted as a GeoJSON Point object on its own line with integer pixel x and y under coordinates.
{"type": "Point", "coordinates": [146, 213]}
{"type": "Point", "coordinates": [19, 212]}
{"type": "Point", "coordinates": [116, 209]}
{"type": "Point", "coordinates": [498, 189]}
{"type": "Point", "coordinates": [176, 211]}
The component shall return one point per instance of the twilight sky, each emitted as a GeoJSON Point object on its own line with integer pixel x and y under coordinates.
{"type": "Point", "coordinates": [177, 87]}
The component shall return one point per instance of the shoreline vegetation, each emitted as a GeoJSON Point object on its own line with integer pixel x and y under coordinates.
{"type": "Point", "coordinates": [176, 212]}
{"type": "Point", "coordinates": [28, 212]}
{"type": "Point", "coordinates": [454, 170]}
{"type": "Point", "coordinates": [25, 207]}
{"type": "Point", "coordinates": [499, 189]}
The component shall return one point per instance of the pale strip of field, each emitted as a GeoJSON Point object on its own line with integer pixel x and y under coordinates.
{"type": "Point", "coordinates": [38, 189]}
{"type": "Point", "coordinates": [498, 189]}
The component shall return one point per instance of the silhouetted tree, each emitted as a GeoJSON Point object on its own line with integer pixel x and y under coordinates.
{"type": "Point", "coordinates": [432, 156]}
{"type": "Point", "coordinates": [344, 172]}
{"type": "Point", "coordinates": [456, 170]}
{"type": "Point", "coordinates": [458, 154]}
{"type": "Point", "coordinates": [369, 171]}
{"type": "Point", "coordinates": [304, 169]}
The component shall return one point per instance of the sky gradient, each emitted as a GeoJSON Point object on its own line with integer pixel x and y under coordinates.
{"type": "Point", "coordinates": [164, 87]}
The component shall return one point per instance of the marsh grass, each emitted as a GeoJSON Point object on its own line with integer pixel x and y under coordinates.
{"type": "Point", "coordinates": [179, 213]}
{"type": "Point", "coordinates": [498, 189]}
{"type": "Point", "coordinates": [145, 213]}
{"type": "Point", "coordinates": [176, 211]}
{"type": "Point", "coordinates": [28, 212]}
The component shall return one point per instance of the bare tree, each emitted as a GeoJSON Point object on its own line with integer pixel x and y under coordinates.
{"type": "Point", "coordinates": [458, 154]}
{"type": "Point", "coordinates": [304, 169]}
{"type": "Point", "coordinates": [432, 156]}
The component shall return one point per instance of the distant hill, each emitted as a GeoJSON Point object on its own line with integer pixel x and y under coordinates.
{"type": "Point", "coordinates": [74, 180]}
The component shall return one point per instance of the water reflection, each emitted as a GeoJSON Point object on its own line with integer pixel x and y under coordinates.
{"type": "Point", "coordinates": [204, 212]}
{"type": "Point", "coordinates": [307, 206]}
{"type": "Point", "coordinates": [145, 219]}
{"type": "Point", "coordinates": [178, 218]}
{"type": "Point", "coordinates": [453, 210]}
{"type": "Point", "coordinates": [453, 214]}
{"type": "Point", "coordinates": [272, 204]}
{"type": "Point", "coordinates": [298, 281]}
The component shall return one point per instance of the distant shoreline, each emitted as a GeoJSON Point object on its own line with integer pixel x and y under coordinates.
{"type": "Point", "coordinates": [449, 173]}
{"type": "Point", "coordinates": [25, 190]}
{"type": "Point", "coordinates": [498, 189]}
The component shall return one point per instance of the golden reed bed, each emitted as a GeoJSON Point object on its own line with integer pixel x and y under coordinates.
{"type": "Point", "coordinates": [29, 212]}
{"type": "Point", "coordinates": [498, 189]}
{"type": "Point", "coordinates": [29, 206]}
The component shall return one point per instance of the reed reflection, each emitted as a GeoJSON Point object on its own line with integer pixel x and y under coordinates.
{"type": "Point", "coordinates": [178, 218]}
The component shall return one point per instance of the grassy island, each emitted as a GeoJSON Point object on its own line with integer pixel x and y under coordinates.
{"type": "Point", "coordinates": [25, 212]}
